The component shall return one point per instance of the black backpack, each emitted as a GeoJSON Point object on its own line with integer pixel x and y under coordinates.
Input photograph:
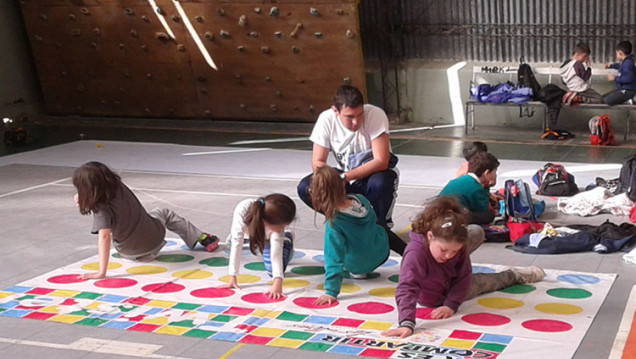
{"type": "Point", "coordinates": [554, 180]}
{"type": "Point", "coordinates": [525, 78]}
{"type": "Point", "coordinates": [627, 178]}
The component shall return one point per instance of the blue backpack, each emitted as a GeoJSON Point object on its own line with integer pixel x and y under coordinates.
{"type": "Point", "coordinates": [518, 202]}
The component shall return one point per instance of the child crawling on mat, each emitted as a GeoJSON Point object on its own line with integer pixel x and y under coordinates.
{"type": "Point", "coordinates": [436, 269]}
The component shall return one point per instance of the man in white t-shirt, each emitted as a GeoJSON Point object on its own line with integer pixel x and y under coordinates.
{"type": "Point", "coordinates": [358, 136]}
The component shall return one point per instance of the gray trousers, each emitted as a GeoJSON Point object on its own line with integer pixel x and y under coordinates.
{"type": "Point", "coordinates": [177, 224]}
{"type": "Point", "coordinates": [481, 283]}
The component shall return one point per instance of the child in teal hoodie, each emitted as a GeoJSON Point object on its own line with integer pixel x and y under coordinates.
{"type": "Point", "coordinates": [353, 240]}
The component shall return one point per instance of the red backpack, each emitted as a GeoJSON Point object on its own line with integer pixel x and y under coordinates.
{"type": "Point", "coordinates": [602, 133]}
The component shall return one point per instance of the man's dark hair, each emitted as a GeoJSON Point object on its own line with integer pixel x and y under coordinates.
{"type": "Point", "coordinates": [349, 96]}
{"type": "Point", "coordinates": [472, 148]}
{"type": "Point", "coordinates": [582, 48]}
{"type": "Point", "coordinates": [481, 162]}
{"type": "Point", "coordinates": [625, 47]}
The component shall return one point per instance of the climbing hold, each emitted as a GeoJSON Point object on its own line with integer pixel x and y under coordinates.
{"type": "Point", "coordinates": [242, 20]}
{"type": "Point", "coordinates": [273, 108]}
{"type": "Point", "coordinates": [146, 110]}
{"type": "Point", "coordinates": [97, 31]}
{"type": "Point", "coordinates": [208, 35]}
{"type": "Point", "coordinates": [207, 112]}
{"type": "Point", "coordinates": [257, 10]}
{"type": "Point", "coordinates": [76, 32]}
{"type": "Point", "coordinates": [162, 36]}
{"type": "Point", "coordinates": [296, 107]}
{"type": "Point", "coordinates": [145, 18]}
{"type": "Point", "coordinates": [242, 106]}
{"type": "Point", "coordinates": [238, 79]}
{"type": "Point", "coordinates": [85, 11]}
{"type": "Point", "coordinates": [254, 34]}
{"type": "Point", "coordinates": [181, 47]}
{"type": "Point", "coordinates": [295, 49]}
{"type": "Point", "coordinates": [44, 17]}
{"type": "Point", "coordinates": [221, 12]}
{"type": "Point", "coordinates": [144, 48]}
{"type": "Point", "coordinates": [279, 94]}
{"type": "Point", "coordinates": [129, 11]}
{"type": "Point", "coordinates": [294, 33]}
{"type": "Point", "coordinates": [149, 76]}
{"type": "Point", "coordinates": [126, 73]}
{"type": "Point", "coordinates": [134, 33]}
{"type": "Point", "coordinates": [121, 45]}
{"type": "Point", "coordinates": [339, 12]}
{"type": "Point", "coordinates": [160, 11]}
{"type": "Point", "coordinates": [63, 73]}
{"type": "Point", "coordinates": [71, 17]}
{"type": "Point", "coordinates": [176, 18]}
{"type": "Point", "coordinates": [350, 34]}
{"type": "Point", "coordinates": [241, 48]}
{"type": "Point", "coordinates": [94, 45]}
{"type": "Point", "coordinates": [273, 11]}
{"type": "Point", "coordinates": [311, 108]}
{"type": "Point", "coordinates": [268, 79]}
{"type": "Point", "coordinates": [38, 38]}
{"type": "Point", "coordinates": [313, 11]}
{"type": "Point", "coordinates": [318, 35]}
{"type": "Point", "coordinates": [224, 34]}
{"type": "Point", "coordinates": [278, 34]}
{"type": "Point", "coordinates": [346, 80]}
{"type": "Point", "coordinates": [79, 88]}
{"type": "Point", "coordinates": [198, 18]}
{"type": "Point", "coordinates": [265, 49]}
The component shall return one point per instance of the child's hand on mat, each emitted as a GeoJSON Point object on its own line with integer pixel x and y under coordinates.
{"type": "Point", "coordinates": [275, 291]}
{"type": "Point", "coordinates": [92, 275]}
{"type": "Point", "coordinates": [231, 283]}
{"type": "Point", "coordinates": [442, 312]}
{"type": "Point", "coordinates": [401, 332]}
{"type": "Point", "coordinates": [324, 299]}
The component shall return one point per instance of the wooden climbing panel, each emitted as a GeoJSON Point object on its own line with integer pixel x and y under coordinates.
{"type": "Point", "coordinates": [235, 59]}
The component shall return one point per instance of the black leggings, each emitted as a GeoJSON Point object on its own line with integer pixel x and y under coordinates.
{"type": "Point", "coordinates": [396, 243]}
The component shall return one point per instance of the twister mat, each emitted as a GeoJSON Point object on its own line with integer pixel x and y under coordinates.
{"type": "Point", "coordinates": [625, 343]}
{"type": "Point", "coordinates": [178, 294]}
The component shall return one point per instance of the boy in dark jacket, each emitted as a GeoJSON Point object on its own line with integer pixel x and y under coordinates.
{"type": "Point", "coordinates": [626, 79]}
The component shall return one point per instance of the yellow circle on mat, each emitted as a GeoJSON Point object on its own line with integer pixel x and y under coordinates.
{"type": "Point", "coordinates": [291, 283]}
{"type": "Point", "coordinates": [95, 265]}
{"type": "Point", "coordinates": [500, 303]}
{"type": "Point", "coordinates": [383, 292]}
{"type": "Point", "coordinates": [192, 274]}
{"type": "Point", "coordinates": [558, 308]}
{"type": "Point", "coordinates": [146, 270]}
{"type": "Point", "coordinates": [346, 288]}
{"type": "Point", "coordinates": [241, 278]}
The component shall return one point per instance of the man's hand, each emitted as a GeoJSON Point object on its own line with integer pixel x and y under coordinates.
{"type": "Point", "coordinates": [401, 332]}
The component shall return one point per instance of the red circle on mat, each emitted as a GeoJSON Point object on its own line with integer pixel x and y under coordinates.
{"type": "Point", "coordinates": [66, 279]}
{"type": "Point", "coordinates": [212, 293]}
{"type": "Point", "coordinates": [308, 302]}
{"type": "Point", "coordinates": [424, 313]}
{"type": "Point", "coordinates": [370, 308]}
{"type": "Point", "coordinates": [260, 298]}
{"type": "Point", "coordinates": [167, 287]}
{"type": "Point", "coordinates": [546, 325]}
{"type": "Point", "coordinates": [486, 319]}
{"type": "Point", "coordinates": [115, 283]}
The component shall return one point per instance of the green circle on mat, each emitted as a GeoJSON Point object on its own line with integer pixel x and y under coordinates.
{"type": "Point", "coordinates": [518, 289]}
{"type": "Point", "coordinates": [255, 266]}
{"type": "Point", "coordinates": [309, 270]}
{"type": "Point", "coordinates": [215, 262]}
{"type": "Point", "coordinates": [569, 293]}
{"type": "Point", "coordinates": [394, 278]}
{"type": "Point", "coordinates": [116, 255]}
{"type": "Point", "coordinates": [174, 258]}
{"type": "Point", "coordinates": [369, 275]}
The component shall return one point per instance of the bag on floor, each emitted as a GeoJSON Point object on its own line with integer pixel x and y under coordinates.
{"type": "Point", "coordinates": [601, 131]}
{"type": "Point", "coordinates": [627, 178]}
{"type": "Point", "coordinates": [525, 78]}
{"type": "Point", "coordinates": [518, 229]}
{"type": "Point", "coordinates": [556, 135]}
{"type": "Point", "coordinates": [518, 201]}
{"type": "Point", "coordinates": [554, 180]}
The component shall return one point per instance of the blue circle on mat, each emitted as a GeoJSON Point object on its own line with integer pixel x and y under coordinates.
{"type": "Point", "coordinates": [578, 278]}
{"type": "Point", "coordinates": [170, 242]}
{"type": "Point", "coordinates": [482, 269]}
{"type": "Point", "coordinates": [319, 258]}
{"type": "Point", "coordinates": [390, 263]}
{"type": "Point", "coordinates": [298, 254]}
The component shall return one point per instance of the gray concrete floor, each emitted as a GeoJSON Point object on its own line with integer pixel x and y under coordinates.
{"type": "Point", "coordinates": [41, 229]}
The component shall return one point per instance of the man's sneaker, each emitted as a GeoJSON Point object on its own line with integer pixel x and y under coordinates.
{"type": "Point", "coordinates": [210, 242]}
{"type": "Point", "coordinates": [528, 274]}
{"type": "Point", "coordinates": [358, 276]}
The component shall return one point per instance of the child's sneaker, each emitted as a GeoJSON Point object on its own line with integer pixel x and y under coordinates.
{"type": "Point", "coordinates": [210, 242]}
{"type": "Point", "coordinates": [528, 274]}
{"type": "Point", "coordinates": [358, 276]}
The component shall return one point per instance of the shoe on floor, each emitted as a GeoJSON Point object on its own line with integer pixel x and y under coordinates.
{"type": "Point", "coordinates": [528, 274]}
{"type": "Point", "coordinates": [210, 242]}
{"type": "Point", "coordinates": [358, 276]}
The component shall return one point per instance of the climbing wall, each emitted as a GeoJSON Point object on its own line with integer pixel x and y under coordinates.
{"type": "Point", "coordinates": [233, 59]}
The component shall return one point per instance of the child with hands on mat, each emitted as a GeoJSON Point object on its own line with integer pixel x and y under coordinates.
{"type": "Point", "coordinates": [436, 269]}
{"type": "Point", "coordinates": [263, 222]}
{"type": "Point", "coordinates": [352, 239]}
{"type": "Point", "coordinates": [118, 215]}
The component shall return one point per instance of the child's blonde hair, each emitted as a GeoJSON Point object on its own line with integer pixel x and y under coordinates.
{"type": "Point", "coordinates": [275, 209]}
{"type": "Point", "coordinates": [445, 218]}
{"type": "Point", "coordinates": [327, 191]}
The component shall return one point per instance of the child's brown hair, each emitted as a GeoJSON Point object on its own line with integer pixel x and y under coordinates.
{"type": "Point", "coordinates": [275, 209]}
{"type": "Point", "coordinates": [327, 191]}
{"type": "Point", "coordinates": [96, 184]}
{"type": "Point", "coordinates": [445, 218]}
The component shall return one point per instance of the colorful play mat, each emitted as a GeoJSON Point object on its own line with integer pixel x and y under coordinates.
{"type": "Point", "coordinates": [178, 294]}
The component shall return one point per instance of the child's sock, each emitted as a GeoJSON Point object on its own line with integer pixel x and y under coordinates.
{"type": "Point", "coordinates": [209, 241]}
